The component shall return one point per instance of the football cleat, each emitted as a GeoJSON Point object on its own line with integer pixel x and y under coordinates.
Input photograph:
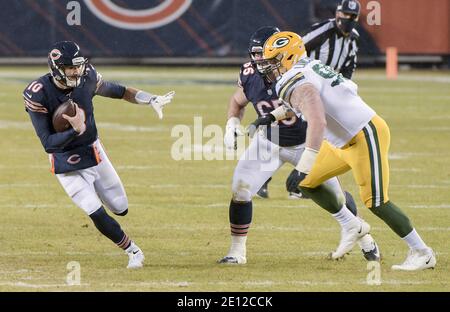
{"type": "Point", "coordinates": [135, 258]}
{"type": "Point", "coordinates": [263, 191]}
{"type": "Point", "coordinates": [417, 259]}
{"type": "Point", "coordinates": [349, 238]}
{"type": "Point", "coordinates": [369, 248]}
{"type": "Point", "coordinates": [236, 259]}
{"type": "Point", "coordinates": [295, 195]}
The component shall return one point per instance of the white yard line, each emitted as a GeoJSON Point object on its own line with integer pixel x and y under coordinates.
{"type": "Point", "coordinates": [38, 286]}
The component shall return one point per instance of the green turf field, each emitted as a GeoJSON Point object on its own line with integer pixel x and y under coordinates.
{"type": "Point", "coordinates": [179, 209]}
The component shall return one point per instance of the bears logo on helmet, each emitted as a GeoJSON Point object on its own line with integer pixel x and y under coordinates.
{"type": "Point", "coordinates": [66, 54]}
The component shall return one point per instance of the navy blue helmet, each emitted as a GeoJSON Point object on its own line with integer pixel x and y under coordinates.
{"type": "Point", "coordinates": [66, 54]}
{"type": "Point", "coordinates": [259, 37]}
{"type": "Point", "coordinates": [256, 44]}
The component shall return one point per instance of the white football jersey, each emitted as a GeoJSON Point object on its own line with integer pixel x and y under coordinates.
{"type": "Point", "coordinates": [346, 113]}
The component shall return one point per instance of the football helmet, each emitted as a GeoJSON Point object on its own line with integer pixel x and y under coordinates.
{"type": "Point", "coordinates": [64, 55]}
{"type": "Point", "coordinates": [255, 46]}
{"type": "Point", "coordinates": [280, 52]}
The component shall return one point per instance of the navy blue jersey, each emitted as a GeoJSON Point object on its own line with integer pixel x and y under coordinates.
{"type": "Point", "coordinates": [291, 131]}
{"type": "Point", "coordinates": [42, 97]}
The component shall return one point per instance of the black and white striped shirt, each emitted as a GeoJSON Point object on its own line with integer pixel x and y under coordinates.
{"type": "Point", "coordinates": [326, 43]}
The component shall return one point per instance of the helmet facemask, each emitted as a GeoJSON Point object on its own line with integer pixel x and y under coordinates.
{"type": "Point", "coordinates": [66, 64]}
{"type": "Point", "coordinates": [273, 68]}
{"type": "Point", "coordinates": [258, 60]}
{"type": "Point", "coordinates": [70, 75]}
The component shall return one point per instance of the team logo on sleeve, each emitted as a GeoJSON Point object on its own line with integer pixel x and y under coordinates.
{"type": "Point", "coordinates": [164, 13]}
{"type": "Point", "coordinates": [280, 42]}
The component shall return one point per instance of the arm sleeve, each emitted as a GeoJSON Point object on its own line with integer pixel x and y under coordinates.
{"type": "Point", "coordinates": [51, 142]}
{"type": "Point", "coordinates": [109, 89]}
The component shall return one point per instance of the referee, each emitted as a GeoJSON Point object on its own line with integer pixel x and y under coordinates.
{"type": "Point", "coordinates": [335, 41]}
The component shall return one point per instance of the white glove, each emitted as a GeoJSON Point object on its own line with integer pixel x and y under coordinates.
{"type": "Point", "coordinates": [159, 101]}
{"type": "Point", "coordinates": [232, 130]}
{"type": "Point", "coordinates": [156, 101]}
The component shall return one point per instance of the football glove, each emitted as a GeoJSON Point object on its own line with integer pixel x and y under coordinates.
{"type": "Point", "coordinates": [294, 179]}
{"type": "Point", "coordinates": [264, 120]}
{"type": "Point", "coordinates": [155, 101]}
{"type": "Point", "coordinates": [159, 101]}
{"type": "Point", "coordinates": [232, 131]}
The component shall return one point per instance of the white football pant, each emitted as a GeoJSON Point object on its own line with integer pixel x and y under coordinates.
{"type": "Point", "coordinates": [96, 186]}
{"type": "Point", "coordinates": [260, 161]}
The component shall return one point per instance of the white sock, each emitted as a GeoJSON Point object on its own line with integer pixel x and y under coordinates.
{"type": "Point", "coordinates": [366, 242]}
{"type": "Point", "coordinates": [238, 245]}
{"type": "Point", "coordinates": [345, 218]}
{"type": "Point", "coordinates": [414, 241]}
{"type": "Point", "coordinates": [133, 247]}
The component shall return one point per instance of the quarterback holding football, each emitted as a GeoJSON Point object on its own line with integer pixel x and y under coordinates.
{"type": "Point", "coordinates": [79, 162]}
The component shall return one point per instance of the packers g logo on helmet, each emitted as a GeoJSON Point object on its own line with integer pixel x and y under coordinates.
{"type": "Point", "coordinates": [281, 42]}
{"type": "Point", "coordinates": [282, 50]}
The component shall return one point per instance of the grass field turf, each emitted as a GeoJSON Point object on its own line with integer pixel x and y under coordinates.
{"type": "Point", "coordinates": [179, 209]}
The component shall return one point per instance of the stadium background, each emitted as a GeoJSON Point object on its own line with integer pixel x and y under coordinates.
{"type": "Point", "coordinates": [219, 29]}
{"type": "Point", "coordinates": [179, 209]}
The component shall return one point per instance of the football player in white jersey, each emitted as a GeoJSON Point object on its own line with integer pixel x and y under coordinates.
{"type": "Point", "coordinates": [282, 143]}
{"type": "Point", "coordinates": [344, 134]}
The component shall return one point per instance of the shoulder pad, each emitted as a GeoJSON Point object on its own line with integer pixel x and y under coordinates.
{"type": "Point", "coordinates": [91, 71]}
{"type": "Point", "coordinates": [247, 71]}
{"type": "Point", "coordinates": [355, 34]}
{"type": "Point", "coordinates": [288, 81]}
{"type": "Point", "coordinates": [34, 97]}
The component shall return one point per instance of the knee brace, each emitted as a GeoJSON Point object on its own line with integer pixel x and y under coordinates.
{"type": "Point", "coordinates": [119, 205]}
{"type": "Point", "coordinates": [242, 194]}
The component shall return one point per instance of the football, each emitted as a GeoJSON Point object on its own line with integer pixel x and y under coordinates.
{"type": "Point", "coordinates": [59, 123]}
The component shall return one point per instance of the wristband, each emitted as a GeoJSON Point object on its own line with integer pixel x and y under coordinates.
{"type": "Point", "coordinates": [307, 160]}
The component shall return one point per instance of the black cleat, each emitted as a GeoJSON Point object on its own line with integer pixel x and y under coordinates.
{"type": "Point", "coordinates": [233, 260]}
{"type": "Point", "coordinates": [372, 255]}
{"type": "Point", "coordinates": [263, 192]}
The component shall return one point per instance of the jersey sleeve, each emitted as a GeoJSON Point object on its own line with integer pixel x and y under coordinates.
{"type": "Point", "coordinates": [317, 35]}
{"type": "Point", "coordinates": [246, 70]}
{"type": "Point", "coordinates": [36, 107]}
{"type": "Point", "coordinates": [51, 141]}
{"type": "Point", "coordinates": [295, 77]}
{"type": "Point", "coordinates": [350, 63]}
{"type": "Point", "coordinates": [34, 98]}
{"type": "Point", "coordinates": [108, 88]}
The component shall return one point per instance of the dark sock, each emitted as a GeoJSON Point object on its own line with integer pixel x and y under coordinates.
{"type": "Point", "coordinates": [396, 219]}
{"type": "Point", "coordinates": [110, 228]}
{"type": "Point", "coordinates": [325, 197]}
{"type": "Point", "coordinates": [240, 217]}
{"type": "Point", "coordinates": [350, 203]}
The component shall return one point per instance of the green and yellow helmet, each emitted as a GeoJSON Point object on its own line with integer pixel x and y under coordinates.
{"type": "Point", "coordinates": [282, 50]}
